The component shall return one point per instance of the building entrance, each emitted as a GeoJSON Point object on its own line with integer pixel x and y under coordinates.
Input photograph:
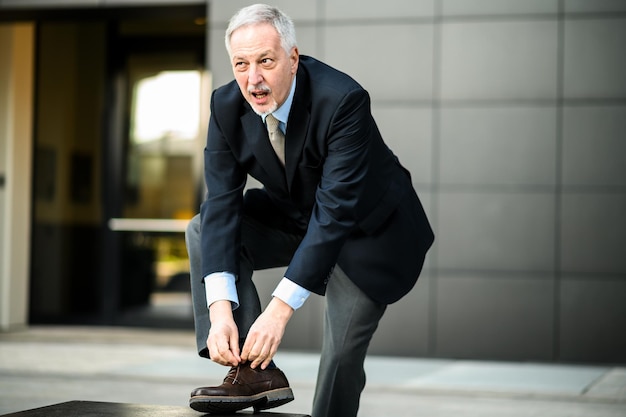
{"type": "Point", "coordinates": [120, 124]}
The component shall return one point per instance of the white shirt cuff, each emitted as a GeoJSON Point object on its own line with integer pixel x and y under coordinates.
{"type": "Point", "coordinates": [291, 293]}
{"type": "Point", "coordinates": [221, 286]}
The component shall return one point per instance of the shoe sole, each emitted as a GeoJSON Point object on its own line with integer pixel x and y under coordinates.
{"type": "Point", "coordinates": [230, 404]}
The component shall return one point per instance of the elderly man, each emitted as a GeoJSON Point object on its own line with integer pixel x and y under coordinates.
{"type": "Point", "coordinates": [336, 208]}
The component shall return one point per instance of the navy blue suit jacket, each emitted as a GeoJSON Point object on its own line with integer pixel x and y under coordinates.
{"type": "Point", "coordinates": [342, 187]}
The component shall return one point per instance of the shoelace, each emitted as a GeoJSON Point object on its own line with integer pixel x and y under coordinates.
{"type": "Point", "coordinates": [236, 374]}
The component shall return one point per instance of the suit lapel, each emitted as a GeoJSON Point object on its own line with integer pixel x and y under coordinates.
{"type": "Point", "coordinates": [297, 127]}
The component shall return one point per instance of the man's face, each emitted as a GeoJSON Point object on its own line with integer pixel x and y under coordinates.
{"type": "Point", "coordinates": [262, 68]}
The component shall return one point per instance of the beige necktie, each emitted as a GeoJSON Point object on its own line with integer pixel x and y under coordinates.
{"type": "Point", "coordinates": [277, 139]}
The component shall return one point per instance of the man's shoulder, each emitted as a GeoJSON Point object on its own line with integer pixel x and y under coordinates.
{"type": "Point", "coordinates": [227, 101]}
{"type": "Point", "coordinates": [228, 92]}
{"type": "Point", "coordinates": [322, 75]}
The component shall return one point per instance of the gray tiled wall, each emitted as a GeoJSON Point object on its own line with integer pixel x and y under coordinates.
{"type": "Point", "coordinates": [499, 60]}
{"type": "Point", "coordinates": [499, 316]}
{"type": "Point", "coordinates": [497, 7]}
{"type": "Point", "coordinates": [594, 59]}
{"type": "Point", "coordinates": [594, 133]}
{"type": "Point", "coordinates": [592, 312]}
{"type": "Point", "coordinates": [511, 117]}
{"type": "Point", "coordinates": [364, 51]}
{"type": "Point", "coordinates": [496, 146]}
{"type": "Point", "coordinates": [495, 231]}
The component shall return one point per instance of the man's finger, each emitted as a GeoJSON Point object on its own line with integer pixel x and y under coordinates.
{"type": "Point", "coordinates": [234, 349]}
{"type": "Point", "coordinates": [245, 353]}
{"type": "Point", "coordinates": [226, 353]}
{"type": "Point", "coordinates": [270, 356]}
{"type": "Point", "coordinates": [219, 351]}
{"type": "Point", "coordinates": [263, 356]}
{"type": "Point", "coordinates": [248, 346]}
{"type": "Point", "coordinates": [266, 362]}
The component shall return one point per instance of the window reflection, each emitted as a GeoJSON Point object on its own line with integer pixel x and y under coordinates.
{"type": "Point", "coordinates": [167, 106]}
{"type": "Point", "coordinates": [162, 144]}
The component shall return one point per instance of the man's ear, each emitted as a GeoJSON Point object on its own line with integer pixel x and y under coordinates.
{"type": "Point", "coordinates": [294, 57]}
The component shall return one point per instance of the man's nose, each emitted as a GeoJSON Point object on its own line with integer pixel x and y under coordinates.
{"type": "Point", "coordinates": [254, 75]}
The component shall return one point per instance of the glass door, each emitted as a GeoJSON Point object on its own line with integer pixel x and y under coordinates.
{"type": "Point", "coordinates": [162, 170]}
{"type": "Point", "coordinates": [121, 102]}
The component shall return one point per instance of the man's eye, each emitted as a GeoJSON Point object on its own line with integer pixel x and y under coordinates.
{"type": "Point", "coordinates": [266, 61]}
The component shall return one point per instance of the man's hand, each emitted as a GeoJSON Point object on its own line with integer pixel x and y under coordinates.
{"type": "Point", "coordinates": [223, 340]}
{"type": "Point", "coordinates": [266, 334]}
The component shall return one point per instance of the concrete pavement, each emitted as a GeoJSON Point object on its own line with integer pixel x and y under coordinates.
{"type": "Point", "coordinates": [41, 366]}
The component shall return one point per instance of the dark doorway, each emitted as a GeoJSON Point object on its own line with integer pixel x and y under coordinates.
{"type": "Point", "coordinates": [120, 113]}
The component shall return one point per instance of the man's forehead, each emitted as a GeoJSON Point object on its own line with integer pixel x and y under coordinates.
{"type": "Point", "coordinates": [250, 30]}
{"type": "Point", "coordinates": [246, 43]}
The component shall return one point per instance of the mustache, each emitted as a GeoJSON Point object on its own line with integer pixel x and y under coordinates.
{"type": "Point", "coordinates": [259, 88]}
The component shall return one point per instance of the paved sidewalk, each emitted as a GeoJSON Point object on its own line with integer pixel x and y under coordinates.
{"type": "Point", "coordinates": [48, 365]}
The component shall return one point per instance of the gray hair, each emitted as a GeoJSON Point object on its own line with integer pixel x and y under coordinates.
{"type": "Point", "coordinates": [262, 13]}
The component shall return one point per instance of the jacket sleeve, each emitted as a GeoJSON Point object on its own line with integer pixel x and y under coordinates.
{"type": "Point", "coordinates": [334, 216]}
{"type": "Point", "coordinates": [222, 210]}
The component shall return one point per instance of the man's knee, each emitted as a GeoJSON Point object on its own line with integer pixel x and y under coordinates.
{"type": "Point", "coordinates": [192, 233]}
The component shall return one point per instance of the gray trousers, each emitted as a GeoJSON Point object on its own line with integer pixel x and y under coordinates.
{"type": "Point", "coordinates": [351, 318]}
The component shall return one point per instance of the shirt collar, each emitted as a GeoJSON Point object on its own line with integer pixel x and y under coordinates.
{"type": "Point", "coordinates": [282, 113]}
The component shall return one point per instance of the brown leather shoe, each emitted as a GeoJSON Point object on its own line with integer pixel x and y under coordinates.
{"type": "Point", "coordinates": [243, 387]}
